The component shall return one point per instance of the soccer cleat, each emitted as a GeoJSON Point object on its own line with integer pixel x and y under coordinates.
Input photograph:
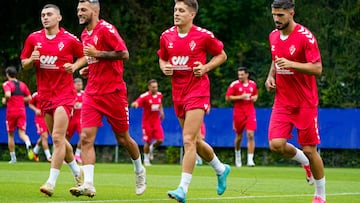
{"type": "Point", "coordinates": [178, 195]}
{"type": "Point", "coordinates": [147, 163]}
{"type": "Point", "coordinates": [30, 154]}
{"type": "Point", "coordinates": [140, 182]}
{"type": "Point", "coordinates": [318, 199]}
{"type": "Point", "coordinates": [221, 187]}
{"type": "Point", "coordinates": [87, 189]}
{"type": "Point", "coordinates": [47, 189]}
{"type": "Point", "coordinates": [78, 159]}
{"type": "Point", "coordinates": [36, 157]}
{"type": "Point", "coordinates": [251, 164]}
{"type": "Point", "coordinates": [12, 161]}
{"type": "Point", "coordinates": [79, 179]}
{"type": "Point", "coordinates": [309, 177]}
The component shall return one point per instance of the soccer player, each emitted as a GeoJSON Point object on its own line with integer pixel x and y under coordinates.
{"type": "Point", "coordinates": [74, 123]}
{"type": "Point", "coordinates": [243, 92]}
{"type": "Point", "coordinates": [41, 128]}
{"type": "Point", "coordinates": [296, 62]}
{"type": "Point", "coordinates": [151, 102]}
{"type": "Point", "coordinates": [182, 55]}
{"type": "Point", "coordinates": [105, 94]}
{"type": "Point", "coordinates": [52, 51]}
{"type": "Point", "coordinates": [16, 93]}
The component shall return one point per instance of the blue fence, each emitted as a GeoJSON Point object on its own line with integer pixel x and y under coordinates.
{"type": "Point", "coordinates": [339, 128]}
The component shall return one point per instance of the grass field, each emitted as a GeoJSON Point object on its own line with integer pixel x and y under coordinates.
{"type": "Point", "coordinates": [116, 183]}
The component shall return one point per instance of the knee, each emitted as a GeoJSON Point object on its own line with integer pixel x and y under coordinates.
{"type": "Point", "coordinates": [277, 147]}
{"type": "Point", "coordinates": [309, 151]}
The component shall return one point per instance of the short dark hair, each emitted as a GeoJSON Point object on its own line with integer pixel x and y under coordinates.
{"type": "Point", "coordinates": [191, 3]}
{"type": "Point", "coordinates": [52, 6]}
{"type": "Point", "coordinates": [76, 80]}
{"type": "Point", "coordinates": [90, 1]}
{"type": "Point", "coordinates": [11, 71]}
{"type": "Point", "coordinates": [243, 68]}
{"type": "Point", "coordinates": [285, 4]}
{"type": "Point", "coordinates": [151, 81]}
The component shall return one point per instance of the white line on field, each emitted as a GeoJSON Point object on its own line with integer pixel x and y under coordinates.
{"type": "Point", "coordinates": [215, 198]}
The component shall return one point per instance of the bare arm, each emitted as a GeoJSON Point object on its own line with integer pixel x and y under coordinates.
{"type": "Point", "coordinates": [29, 62]}
{"type": "Point", "coordinates": [215, 62]}
{"type": "Point", "coordinates": [165, 67]}
{"type": "Point", "coordinates": [270, 81]}
{"type": "Point", "coordinates": [306, 68]}
{"type": "Point", "coordinates": [91, 51]}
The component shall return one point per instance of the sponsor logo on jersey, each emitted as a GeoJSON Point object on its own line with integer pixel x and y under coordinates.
{"type": "Point", "coordinates": [180, 62]}
{"type": "Point", "coordinates": [48, 62]}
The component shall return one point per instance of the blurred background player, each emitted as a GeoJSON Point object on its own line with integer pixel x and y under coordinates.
{"type": "Point", "coordinates": [16, 93]}
{"type": "Point", "coordinates": [74, 123]}
{"type": "Point", "coordinates": [151, 102]}
{"type": "Point", "coordinates": [41, 128]}
{"type": "Point", "coordinates": [243, 92]}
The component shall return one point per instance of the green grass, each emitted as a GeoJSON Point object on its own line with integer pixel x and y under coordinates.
{"type": "Point", "coordinates": [116, 183]}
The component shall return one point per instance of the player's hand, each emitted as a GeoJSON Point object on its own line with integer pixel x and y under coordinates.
{"type": "Point", "coordinates": [69, 67]}
{"type": "Point", "coordinates": [90, 50]}
{"type": "Point", "coordinates": [282, 63]}
{"type": "Point", "coordinates": [38, 112]}
{"type": "Point", "coordinates": [199, 69]}
{"type": "Point", "coordinates": [168, 69]}
{"type": "Point", "coordinates": [84, 72]}
{"type": "Point", "coordinates": [35, 55]}
{"type": "Point", "coordinates": [270, 84]}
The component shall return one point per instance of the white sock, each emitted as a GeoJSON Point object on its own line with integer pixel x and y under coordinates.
{"type": "Point", "coordinates": [74, 167]}
{"type": "Point", "coordinates": [146, 157]}
{"type": "Point", "coordinates": [320, 188]}
{"type": "Point", "coordinates": [238, 154]}
{"type": "Point", "coordinates": [138, 167]}
{"type": "Point", "coordinates": [151, 148]}
{"type": "Point", "coordinates": [47, 153]}
{"type": "Point", "coordinates": [77, 151]}
{"type": "Point", "coordinates": [13, 156]}
{"type": "Point", "coordinates": [300, 157]}
{"type": "Point", "coordinates": [28, 144]}
{"type": "Point", "coordinates": [250, 158]}
{"type": "Point", "coordinates": [88, 173]}
{"type": "Point", "coordinates": [217, 165]}
{"type": "Point", "coordinates": [36, 149]}
{"type": "Point", "coordinates": [54, 173]}
{"type": "Point", "coordinates": [185, 181]}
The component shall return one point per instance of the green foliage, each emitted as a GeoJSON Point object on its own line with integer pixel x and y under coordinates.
{"type": "Point", "coordinates": [243, 26]}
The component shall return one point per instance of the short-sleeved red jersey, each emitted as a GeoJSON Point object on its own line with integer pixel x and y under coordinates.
{"type": "Point", "coordinates": [238, 88]}
{"type": "Point", "coordinates": [105, 76]}
{"type": "Point", "coordinates": [295, 89]}
{"type": "Point", "coordinates": [55, 85]}
{"type": "Point", "coordinates": [182, 53]}
{"type": "Point", "coordinates": [151, 105]}
{"type": "Point", "coordinates": [18, 90]}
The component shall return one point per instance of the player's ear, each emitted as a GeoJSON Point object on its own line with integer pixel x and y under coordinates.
{"type": "Point", "coordinates": [59, 17]}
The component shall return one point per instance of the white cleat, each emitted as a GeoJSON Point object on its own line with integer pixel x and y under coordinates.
{"type": "Point", "coordinates": [47, 189]}
{"type": "Point", "coordinates": [140, 182]}
{"type": "Point", "coordinates": [86, 189]}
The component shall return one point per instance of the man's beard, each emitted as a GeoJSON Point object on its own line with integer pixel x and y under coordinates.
{"type": "Point", "coordinates": [279, 27]}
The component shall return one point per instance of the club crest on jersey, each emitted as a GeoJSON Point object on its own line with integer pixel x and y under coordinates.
{"type": "Point", "coordinates": [61, 46]}
{"type": "Point", "coordinates": [292, 49]}
{"type": "Point", "coordinates": [38, 45]}
{"type": "Point", "coordinates": [192, 45]}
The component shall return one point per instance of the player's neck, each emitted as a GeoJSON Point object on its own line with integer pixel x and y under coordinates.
{"type": "Point", "coordinates": [184, 29]}
{"type": "Point", "coordinates": [289, 29]}
{"type": "Point", "coordinates": [52, 31]}
{"type": "Point", "coordinates": [92, 24]}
